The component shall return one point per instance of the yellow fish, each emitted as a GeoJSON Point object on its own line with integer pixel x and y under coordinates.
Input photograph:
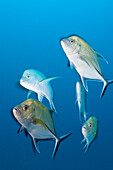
{"type": "Point", "coordinates": [37, 120]}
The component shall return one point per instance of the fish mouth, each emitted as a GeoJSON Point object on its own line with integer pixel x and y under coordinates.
{"type": "Point", "coordinates": [84, 127]}
{"type": "Point", "coordinates": [84, 130]}
{"type": "Point", "coordinates": [16, 112]}
{"type": "Point", "coordinates": [64, 43]}
{"type": "Point", "coordinates": [23, 82]}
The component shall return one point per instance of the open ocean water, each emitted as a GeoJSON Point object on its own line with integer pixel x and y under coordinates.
{"type": "Point", "coordinates": [30, 33]}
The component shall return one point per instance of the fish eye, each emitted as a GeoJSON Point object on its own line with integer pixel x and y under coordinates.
{"type": "Point", "coordinates": [28, 76]}
{"type": "Point", "coordinates": [71, 41]}
{"type": "Point", "coordinates": [90, 125]}
{"type": "Point", "coordinates": [25, 107]}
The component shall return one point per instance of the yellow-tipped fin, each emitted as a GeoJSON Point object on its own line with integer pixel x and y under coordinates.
{"type": "Point", "coordinates": [38, 121]}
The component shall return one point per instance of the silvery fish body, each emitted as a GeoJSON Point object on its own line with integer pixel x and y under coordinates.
{"type": "Point", "coordinates": [37, 120]}
{"type": "Point", "coordinates": [84, 59]}
{"type": "Point", "coordinates": [81, 100]}
{"type": "Point", "coordinates": [89, 131]}
{"type": "Point", "coordinates": [35, 81]}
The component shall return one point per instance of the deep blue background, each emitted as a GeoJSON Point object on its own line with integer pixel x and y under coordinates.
{"type": "Point", "coordinates": [30, 33]}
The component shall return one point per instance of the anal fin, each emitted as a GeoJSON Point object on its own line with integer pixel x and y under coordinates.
{"type": "Point", "coordinates": [84, 82]}
{"type": "Point", "coordinates": [35, 145]}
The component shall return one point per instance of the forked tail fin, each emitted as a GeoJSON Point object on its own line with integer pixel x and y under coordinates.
{"type": "Point", "coordinates": [106, 83]}
{"type": "Point", "coordinates": [82, 116]}
{"type": "Point", "coordinates": [57, 143]}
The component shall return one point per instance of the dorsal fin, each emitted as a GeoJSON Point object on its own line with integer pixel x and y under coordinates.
{"type": "Point", "coordinates": [47, 80]}
{"type": "Point", "coordinates": [100, 56]}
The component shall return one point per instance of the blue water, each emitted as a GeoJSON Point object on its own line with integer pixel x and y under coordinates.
{"type": "Point", "coordinates": [30, 33]}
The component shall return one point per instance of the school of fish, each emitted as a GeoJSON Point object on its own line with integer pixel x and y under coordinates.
{"type": "Point", "coordinates": [36, 120]}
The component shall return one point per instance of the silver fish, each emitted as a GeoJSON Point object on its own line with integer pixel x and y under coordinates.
{"type": "Point", "coordinates": [85, 60]}
{"type": "Point", "coordinates": [37, 120]}
{"type": "Point", "coordinates": [81, 100]}
{"type": "Point", "coordinates": [89, 131]}
{"type": "Point", "coordinates": [35, 81]}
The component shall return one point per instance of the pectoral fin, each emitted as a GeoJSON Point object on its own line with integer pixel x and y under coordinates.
{"type": "Point", "coordinates": [45, 81]}
{"type": "Point", "coordinates": [29, 93]}
{"type": "Point", "coordinates": [38, 121]}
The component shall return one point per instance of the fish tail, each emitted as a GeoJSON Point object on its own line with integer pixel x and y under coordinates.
{"type": "Point", "coordinates": [106, 83]}
{"type": "Point", "coordinates": [84, 115]}
{"type": "Point", "coordinates": [57, 143]}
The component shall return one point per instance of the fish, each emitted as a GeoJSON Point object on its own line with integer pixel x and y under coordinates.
{"type": "Point", "coordinates": [35, 81]}
{"type": "Point", "coordinates": [37, 120]}
{"type": "Point", "coordinates": [81, 100]}
{"type": "Point", "coordinates": [89, 131]}
{"type": "Point", "coordinates": [84, 59]}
